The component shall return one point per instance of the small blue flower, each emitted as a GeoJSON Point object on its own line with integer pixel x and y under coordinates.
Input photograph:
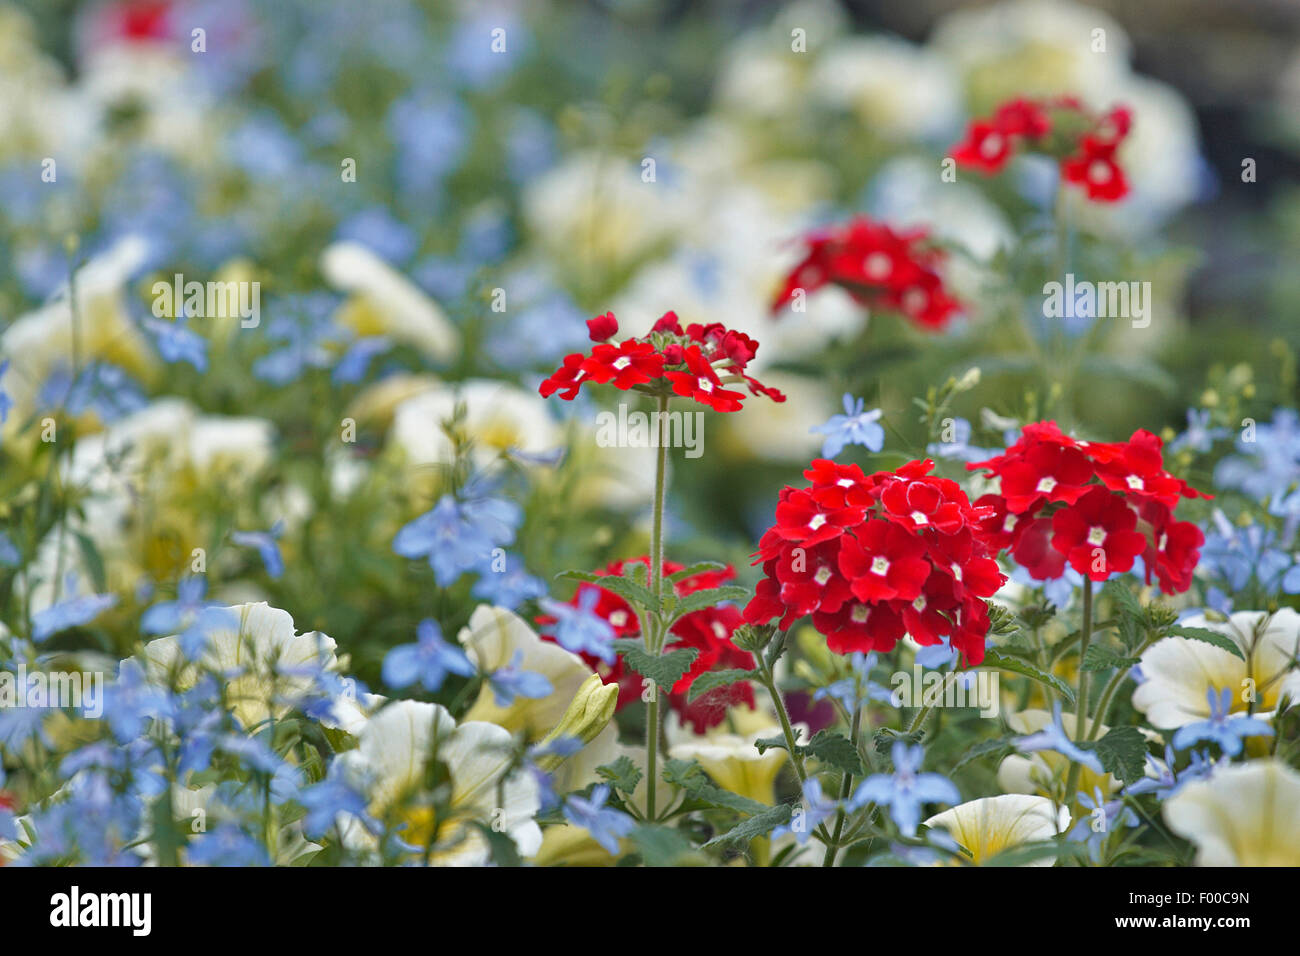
{"type": "Point", "coordinates": [428, 661]}
{"type": "Point", "coordinates": [510, 587]}
{"type": "Point", "coordinates": [906, 790]}
{"type": "Point", "coordinates": [352, 366]}
{"type": "Point", "coordinates": [1054, 737]}
{"type": "Point", "coordinates": [227, 845]}
{"type": "Point", "coordinates": [176, 343]}
{"type": "Point", "coordinates": [856, 689]}
{"type": "Point", "coordinates": [960, 447]}
{"type": "Point", "coordinates": [72, 611]}
{"type": "Point", "coordinates": [1222, 728]}
{"type": "Point", "coordinates": [169, 617]}
{"type": "Point", "coordinates": [6, 403]}
{"type": "Point", "coordinates": [510, 682]}
{"type": "Point", "coordinates": [854, 427]}
{"type": "Point", "coordinates": [326, 800]}
{"type": "Point", "coordinates": [267, 548]}
{"type": "Point", "coordinates": [814, 809]}
{"type": "Point", "coordinates": [1199, 436]}
{"type": "Point", "coordinates": [605, 825]}
{"type": "Point", "coordinates": [131, 702]}
{"type": "Point", "coordinates": [579, 629]}
{"type": "Point", "coordinates": [456, 537]}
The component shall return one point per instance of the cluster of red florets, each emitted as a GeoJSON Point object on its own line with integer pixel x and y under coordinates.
{"type": "Point", "coordinates": [879, 267]}
{"type": "Point", "coordinates": [1085, 143]}
{"type": "Point", "coordinates": [874, 557]}
{"type": "Point", "coordinates": [708, 631]}
{"type": "Point", "coordinates": [696, 363]}
{"type": "Point", "coordinates": [1096, 505]}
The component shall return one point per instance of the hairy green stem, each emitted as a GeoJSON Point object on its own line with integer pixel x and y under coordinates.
{"type": "Point", "coordinates": [1081, 699]}
{"type": "Point", "coordinates": [655, 635]}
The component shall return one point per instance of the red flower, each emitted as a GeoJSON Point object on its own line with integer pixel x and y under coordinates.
{"type": "Point", "coordinates": [872, 557]}
{"type": "Point", "coordinates": [701, 383]}
{"type": "Point", "coordinates": [602, 327]}
{"type": "Point", "coordinates": [627, 364]}
{"type": "Point", "coordinates": [687, 363]}
{"type": "Point", "coordinates": [1046, 472]}
{"type": "Point", "coordinates": [1096, 534]}
{"type": "Point", "coordinates": [1087, 158]}
{"type": "Point", "coordinates": [879, 267]}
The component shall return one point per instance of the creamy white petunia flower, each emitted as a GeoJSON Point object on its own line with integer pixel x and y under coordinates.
{"type": "Point", "coordinates": [1042, 771]}
{"type": "Point", "coordinates": [384, 302]}
{"type": "Point", "coordinates": [264, 660]}
{"type": "Point", "coordinates": [1244, 815]}
{"type": "Point", "coordinates": [991, 825]}
{"type": "Point", "coordinates": [391, 759]}
{"type": "Point", "coordinates": [1177, 671]}
{"type": "Point", "coordinates": [491, 640]}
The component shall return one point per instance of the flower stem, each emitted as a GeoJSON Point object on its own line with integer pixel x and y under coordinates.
{"type": "Point", "coordinates": [655, 636]}
{"type": "Point", "coordinates": [846, 787]}
{"type": "Point", "coordinates": [1081, 699]}
{"type": "Point", "coordinates": [787, 729]}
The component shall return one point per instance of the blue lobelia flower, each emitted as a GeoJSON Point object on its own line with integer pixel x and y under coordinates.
{"type": "Point", "coordinates": [1199, 436]}
{"type": "Point", "coordinates": [509, 587]}
{"type": "Point", "coordinates": [427, 662]}
{"type": "Point", "coordinates": [854, 427]}
{"type": "Point", "coordinates": [960, 447]}
{"type": "Point", "coordinates": [1054, 737]}
{"type": "Point", "coordinates": [326, 800]}
{"type": "Point", "coordinates": [6, 403]}
{"type": "Point", "coordinates": [169, 617]}
{"type": "Point", "coordinates": [72, 611]}
{"type": "Point", "coordinates": [510, 682]}
{"type": "Point", "coordinates": [267, 548]}
{"type": "Point", "coordinates": [856, 689]}
{"type": "Point", "coordinates": [1222, 728]}
{"type": "Point", "coordinates": [176, 343]}
{"type": "Point", "coordinates": [227, 845]}
{"type": "Point", "coordinates": [131, 702]}
{"type": "Point", "coordinates": [456, 537]}
{"type": "Point", "coordinates": [906, 790]}
{"type": "Point", "coordinates": [352, 366]}
{"type": "Point", "coordinates": [580, 629]}
{"type": "Point", "coordinates": [812, 811]}
{"type": "Point", "coordinates": [606, 826]}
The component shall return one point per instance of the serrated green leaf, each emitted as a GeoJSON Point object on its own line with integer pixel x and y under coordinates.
{"type": "Point", "coordinates": [712, 680]}
{"type": "Point", "coordinates": [622, 773]}
{"type": "Point", "coordinates": [1123, 752]}
{"type": "Point", "coordinates": [664, 669]}
{"type": "Point", "coordinates": [836, 750]}
{"type": "Point", "coordinates": [700, 567]}
{"type": "Point", "coordinates": [1023, 667]}
{"type": "Point", "coordinates": [690, 776]}
{"type": "Point", "coordinates": [1125, 600]}
{"type": "Point", "coordinates": [662, 846]}
{"type": "Point", "coordinates": [983, 749]}
{"type": "Point", "coordinates": [1099, 657]}
{"type": "Point", "coordinates": [760, 824]}
{"type": "Point", "coordinates": [1222, 641]}
{"type": "Point", "coordinates": [638, 595]}
{"type": "Point", "coordinates": [699, 600]}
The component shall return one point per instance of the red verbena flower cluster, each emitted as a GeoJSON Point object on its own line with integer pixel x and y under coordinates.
{"type": "Point", "coordinates": [879, 267]}
{"type": "Point", "coordinates": [1097, 506]}
{"type": "Point", "coordinates": [874, 557]}
{"type": "Point", "coordinates": [1085, 143]}
{"type": "Point", "coordinates": [697, 363]}
{"type": "Point", "coordinates": [708, 631]}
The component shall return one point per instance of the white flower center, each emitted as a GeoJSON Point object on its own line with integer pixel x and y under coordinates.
{"type": "Point", "coordinates": [1135, 483]}
{"type": "Point", "coordinates": [992, 145]}
{"type": "Point", "coordinates": [845, 482]}
{"type": "Point", "coordinates": [920, 518]}
{"type": "Point", "coordinates": [1096, 536]}
{"type": "Point", "coordinates": [880, 566]}
{"type": "Point", "coordinates": [1045, 485]}
{"type": "Point", "coordinates": [823, 575]}
{"type": "Point", "coordinates": [877, 266]}
{"type": "Point", "coordinates": [919, 603]}
{"type": "Point", "coordinates": [719, 631]}
{"type": "Point", "coordinates": [956, 570]}
{"type": "Point", "coordinates": [1009, 524]}
{"type": "Point", "coordinates": [618, 618]}
{"type": "Point", "coordinates": [622, 362]}
{"type": "Point", "coordinates": [859, 613]}
{"type": "Point", "coordinates": [1099, 172]}
{"type": "Point", "coordinates": [817, 521]}
{"type": "Point", "coordinates": [705, 385]}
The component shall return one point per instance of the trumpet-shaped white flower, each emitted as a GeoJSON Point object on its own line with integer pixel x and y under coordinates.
{"type": "Point", "coordinates": [1244, 815]}
{"type": "Point", "coordinates": [991, 825]}
{"type": "Point", "coordinates": [1178, 672]}
{"type": "Point", "coordinates": [392, 759]}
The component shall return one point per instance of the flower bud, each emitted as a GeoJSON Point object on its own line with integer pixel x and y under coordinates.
{"type": "Point", "coordinates": [591, 709]}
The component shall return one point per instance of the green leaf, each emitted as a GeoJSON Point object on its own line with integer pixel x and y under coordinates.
{"type": "Point", "coordinates": [1020, 666]}
{"type": "Point", "coordinates": [638, 595]}
{"type": "Point", "coordinates": [1222, 641]}
{"type": "Point", "coordinates": [1123, 752]}
{"type": "Point", "coordinates": [700, 567]}
{"type": "Point", "coordinates": [1125, 600]}
{"type": "Point", "coordinates": [699, 600]}
{"type": "Point", "coordinates": [622, 773]}
{"type": "Point", "coordinates": [983, 749]}
{"type": "Point", "coordinates": [662, 846]}
{"type": "Point", "coordinates": [760, 824]}
{"type": "Point", "coordinates": [712, 680]}
{"type": "Point", "coordinates": [1099, 657]}
{"type": "Point", "coordinates": [690, 776]}
{"type": "Point", "coordinates": [836, 750]}
{"type": "Point", "coordinates": [664, 669]}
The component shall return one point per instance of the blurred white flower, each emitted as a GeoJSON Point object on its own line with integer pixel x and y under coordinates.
{"type": "Point", "coordinates": [991, 825]}
{"type": "Point", "coordinates": [1244, 815]}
